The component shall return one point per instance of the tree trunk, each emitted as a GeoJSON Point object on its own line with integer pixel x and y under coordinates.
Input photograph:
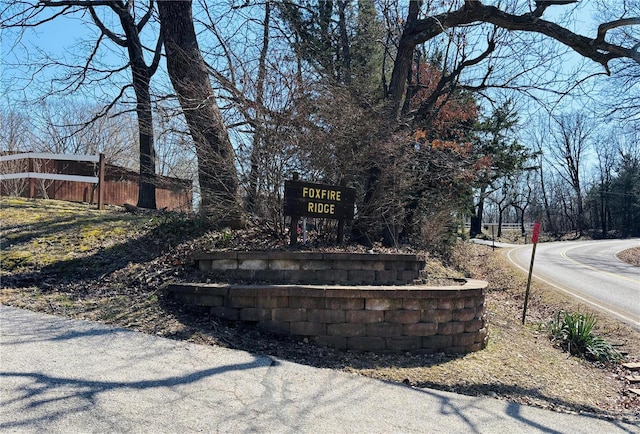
{"type": "Point", "coordinates": [188, 73]}
{"type": "Point", "coordinates": [476, 223]}
{"type": "Point", "coordinates": [146, 185]}
{"type": "Point", "coordinates": [259, 129]}
{"type": "Point", "coordinates": [141, 79]}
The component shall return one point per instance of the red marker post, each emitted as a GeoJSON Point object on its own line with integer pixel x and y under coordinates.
{"type": "Point", "coordinates": [534, 240]}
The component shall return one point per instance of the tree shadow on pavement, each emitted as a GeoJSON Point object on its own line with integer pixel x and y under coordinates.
{"type": "Point", "coordinates": [39, 390]}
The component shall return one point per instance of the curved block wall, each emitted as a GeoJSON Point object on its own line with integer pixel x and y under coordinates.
{"type": "Point", "coordinates": [314, 268]}
{"type": "Point", "coordinates": [394, 318]}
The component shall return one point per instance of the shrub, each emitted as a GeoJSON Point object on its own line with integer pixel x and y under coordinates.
{"type": "Point", "coordinates": [574, 333]}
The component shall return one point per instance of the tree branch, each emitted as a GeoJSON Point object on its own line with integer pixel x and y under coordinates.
{"type": "Point", "coordinates": [605, 27]}
{"type": "Point", "coordinates": [143, 21]}
{"type": "Point", "coordinates": [105, 31]}
{"type": "Point", "coordinates": [157, 55]}
{"type": "Point", "coordinates": [418, 31]}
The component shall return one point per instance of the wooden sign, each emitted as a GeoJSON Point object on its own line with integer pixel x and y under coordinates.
{"type": "Point", "coordinates": [305, 199]}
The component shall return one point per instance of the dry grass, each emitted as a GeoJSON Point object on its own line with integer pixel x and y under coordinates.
{"type": "Point", "coordinates": [632, 256]}
{"type": "Point", "coordinates": [71, 260]}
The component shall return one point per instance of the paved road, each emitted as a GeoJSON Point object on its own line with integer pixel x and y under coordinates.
{"type": "Point", "coordinates": [590, 271]}
{"type": "Point", "coordinates": [65, 376]}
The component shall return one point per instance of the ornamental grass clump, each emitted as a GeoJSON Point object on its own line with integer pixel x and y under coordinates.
{"type": "Point", "coordinates": [574, 333]}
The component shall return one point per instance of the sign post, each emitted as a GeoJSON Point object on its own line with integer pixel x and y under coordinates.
{"type": "Point", "coordinates": [305, 199]}
{"type": "Point", "coordinates": [534, 240]}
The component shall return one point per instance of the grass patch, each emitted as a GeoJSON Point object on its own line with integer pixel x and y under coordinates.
{"type": "Point", "coordinates": [13, 260]}
{"type": "Point", "coordinates": [575, 333]}
{"type": "Point", "coordinates": [41, 233]}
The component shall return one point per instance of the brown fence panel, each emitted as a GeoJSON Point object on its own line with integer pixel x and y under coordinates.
{"type": "Point", "coordinates": [119, 193]}
{"type": "Point", "coordinates": [121, 185]}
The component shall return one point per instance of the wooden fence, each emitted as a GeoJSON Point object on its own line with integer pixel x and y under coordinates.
{"type": "Point", "coordinates": [31, 174]}
{"type": "Point", "coordinates": [84, 178]}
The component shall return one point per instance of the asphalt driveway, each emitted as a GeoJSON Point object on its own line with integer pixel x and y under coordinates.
{"type": "Point", "coordinates": [66, 376]}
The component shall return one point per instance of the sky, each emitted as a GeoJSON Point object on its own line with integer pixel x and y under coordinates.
{"type": "Point", "coordinates": [67, 38]}
{"type": "Point", "coordinates": [63, 39]}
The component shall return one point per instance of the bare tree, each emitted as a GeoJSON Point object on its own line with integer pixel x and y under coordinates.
{"type": "Point", "coordinates": [25, 14]}
{"type": "Point", "coordinates": [15, 136]}
{"type": "Point", "coordinates": [607, 156]}
{"type": "Point", "coordinates": [571, 140]}
{"type": "Point", "coordinates": [522, 196]}
{"type": "Point", "coordinates": [621, 94]}
{"type": "Point", "coordinates": [190, 78]}
{"type": "Point", "coordinates": [471, 13]}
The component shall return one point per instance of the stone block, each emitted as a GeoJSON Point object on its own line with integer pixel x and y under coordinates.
{"type": "Point", "coordinates": [272, 302]}
{"type": "Point", "coordinates": [361, 276]}
{"type": "Point", "coordinates": [252, 264]}
{"type": "Point", "coordinates": [372, 265]}
{"type": "Point", "coordinates": [287, 314]}
{"type": "Point", "coordinates": [204, 264]}
{"type": "Point", "coordinates": [281, 328]}
{"type": "Point", "coordinates": [253, 256]}
{"type": "Point", "coordinates": [458, 303]}
{"type": "Point", "coordinates": [419, 303]}
{"type": "Point", "coordinates": [420, 329]}
{"type": "Point", "coordinates": [476, 347]}
{"type": "Point", "coordinates": [326, 316]}
{"type": "Point", "coordinates": [386, 277]}
{"type": "Point", "coordinates": [244, 290]}
{"type": "Point", "coordinates": [268, 275]}
{"type": "Point", "coordinates": [464, 339]}
{"type": "Point", "coordinates": [384, 329]}
{"type": "Point", "coordinates": [474, 325]}
{"type": "Point", "coordinates": [403, 343]}
{"type": "Point", "coordinates": [332, 276]}
{"type": "Point", "coordinates": [301, 276]}
{"type": "Point", "coordinates": [344, 303]}
{"type": "Point", "coordinates": [255, 314]}
{"type": "Point", "coordinates": [450, 328]}
{"type": "Point", "coordinates": [412, 265]}
{"type": "Point", "coordinates": [364, 316]}
{"type": "Point", "coordinates": [437, 342]}
{"type": "Point", "coordinates": [464, 314]}
{"type": "Point", "coordinates": [209, 300]}
{"type": "Point", "coordinates": [402, 316]}
{"type": "Point", "coordinates": [346, 330]}
{"type": "Point", "coordinates": [240, 301]}
{"type": "Point", "coordinates": [445, 304]}
{"type": "Point", "coordinates": [470, 302]}
{"type": "Point", "coordinates": [220, 264]}
{"type": "Point", "coordinates": [284, 264]}
{"type": "Point", "coordinates": [185, 298]}
{"type": "Point", "coordinates": [306, 302]}
{"type": "Point", "coordinates": [316, 265]}
{"type": "Point", "coordinates": [383, 303]}
{"type": "Point", "coordinates": [438, 316]}
{"type": "Point", "coordinates": [306, 328]}
{"type": "Point", "coordinates": [342, 257]}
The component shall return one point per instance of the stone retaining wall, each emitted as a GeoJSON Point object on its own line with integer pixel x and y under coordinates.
{"type": "Point", "coordinates": [418, 318]}
{"type": "Point", "coordinates": [314, 268]}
